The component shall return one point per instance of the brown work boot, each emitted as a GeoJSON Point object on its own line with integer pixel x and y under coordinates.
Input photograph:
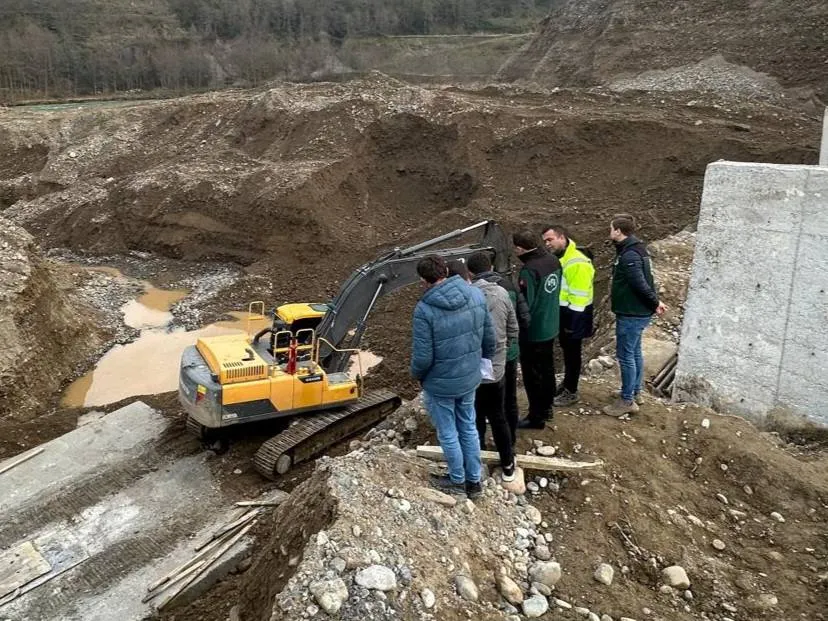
{"type": "Point", "coordinates": [620, 407]}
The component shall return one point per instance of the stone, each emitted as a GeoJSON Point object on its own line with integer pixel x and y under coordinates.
{"type": "Point", "coordinates": [593, 617]}
{"type": "Point", "coordinates": [705, 423]}
{"type": "Point", "coordinates": [722, 498]}
{"type": "Point", "coordinates": [563, 604]}
{"type": "Point", "coordinates": [405, 506]}
{"type": "Point", "coordinates": [546, 572]}
{"type": "Point", "coordinates": [339, 565]}
{"type": "Point", "coordinates": [543, 482]}
{"type": "Point", "coordinates": [606, 361]}
{"type": "Point", "coordinates": [518, 486]}
{"type": "Point", "coordinates": [688, 595]}
{"type": "Point", "coordinates": [432, 495]}
{"type": "Point", "coordinates": [595, 367]}
{"type": "Point", "coordinates": [547, 451]}
{"type": "Point", "coordinates": [410, 424]}
{"type": "Point", "coordinates": [235, 613]}
{"type": "Point", "coordinates": [533, 487]}
{"type": "Point", "coordinates": [606, 618]}
{"type": "Point", "coordinates": [509, 589]}
{"type": "Point", "coordinates": [467, 506]}
{"type": "Point", "coordinates": [533, 515]}
{"type": "Point", "coordinates": [322, 538]}
{"type": "Point", "coordinates": [535, 606]}
{"type": "Point", "coordinates": [357, 531]}
{"type": "Point", "coordinates": [542, 553]}
{"type": "Point", "coordinates": [428, 598]}
{"type": "Point", "coordinates": [604, 574]}
{"type": "Point", "coordinates": [579, 610]}
{"type": "Point", "coordinates": [676, 577]}
{"type": "Point", "coordinates": [330, 594]}
{"type": "Point", "coordinates": [376, 577]}
{"type": "Point", "coordinates": [466, 588]}
{"type": "Point", "coordinates": [719, 544]}
{"type": "Point", "coordinates": [542, 588]}
{"type": "Point", "coordinates": [666, 589]}
{"type": "Point", "coordinates": [767, 600]}
{"type": "Point", "coordinates": [778, 517]}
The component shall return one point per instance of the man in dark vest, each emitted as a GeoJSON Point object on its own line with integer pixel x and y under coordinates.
{"type": "Point", "coordinates": [634, 302]}
{"type": "Point", "coordinates": [540, 283]}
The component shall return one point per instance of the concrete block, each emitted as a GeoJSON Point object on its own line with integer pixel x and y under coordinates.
{"type": "Point", "coordinates": [755, 330]}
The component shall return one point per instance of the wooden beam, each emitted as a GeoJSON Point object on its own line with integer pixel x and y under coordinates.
{"type": "Point", "coordinates": [527, 462]}
{"type": "Point", "coordinates": [20, 460]}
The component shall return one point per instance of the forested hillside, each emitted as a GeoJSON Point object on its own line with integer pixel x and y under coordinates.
{"type": "Point", "coordinates": [55, 48]}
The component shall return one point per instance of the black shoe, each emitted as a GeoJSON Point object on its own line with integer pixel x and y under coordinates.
{"type": "Point", "coordinates": [444, 484]}
{"type": "Point", "coordinates": [474, 490]}
{"type": "Point", "coordinates": [528, 423]}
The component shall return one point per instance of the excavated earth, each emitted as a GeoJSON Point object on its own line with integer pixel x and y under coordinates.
{"type": "Point", "coordinates": [279, 193]}
{"type": "Point", "coordinates": [300, 184]}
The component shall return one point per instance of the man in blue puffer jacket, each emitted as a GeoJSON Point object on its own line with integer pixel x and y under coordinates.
{"type": "Point", "coordinates": [452, 331]}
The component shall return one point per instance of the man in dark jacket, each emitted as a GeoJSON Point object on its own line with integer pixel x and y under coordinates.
{"type": "Point", "coordinates": [634, 301]}
{"type": "Point", "coordinates": [452, 332]}
{"type": "Point", "coordinates": [480, 264]}
{"type": "Point", "coordinates": [540, 282]}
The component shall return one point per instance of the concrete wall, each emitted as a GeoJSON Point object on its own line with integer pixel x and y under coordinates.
{"type": "Point", "coordinates": [755, 334]}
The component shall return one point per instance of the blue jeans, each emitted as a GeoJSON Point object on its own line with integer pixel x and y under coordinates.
{"type": "Point", "coordinates": [454, 420]}
{"type": "Point", "coordinates": [628, 331]}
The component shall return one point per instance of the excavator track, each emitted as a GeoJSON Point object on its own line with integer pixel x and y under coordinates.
{"type": "Point", "coordinates": [313, 433]}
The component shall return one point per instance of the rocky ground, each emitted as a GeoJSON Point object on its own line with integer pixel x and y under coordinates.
{"type": "Point", "coordinates": [694, 516]}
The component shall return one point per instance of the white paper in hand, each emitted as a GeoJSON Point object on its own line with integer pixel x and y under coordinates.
{"type": "Point", "coordinates": [486, 369]}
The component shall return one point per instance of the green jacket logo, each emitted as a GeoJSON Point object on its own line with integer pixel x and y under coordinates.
{"type": "Point", "coordinates": [550, 285]}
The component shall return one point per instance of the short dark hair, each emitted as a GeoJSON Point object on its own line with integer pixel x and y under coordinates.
{"type": "Point", "coordinates": [432, 268]}
{"type": "Point", "coordinates": [526, 239]}
{"type": "Point", "coordinates": [479, 262]}
{"type": "Point", "coordinates": [458, 268]}
{"type": "Point", "coordinates": [560, 230]}
{"type": "Point", "coordinates": [624, 222]}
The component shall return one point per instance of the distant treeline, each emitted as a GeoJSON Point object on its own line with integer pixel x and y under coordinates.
{"type": "Point", "coordinates": [61, 48]}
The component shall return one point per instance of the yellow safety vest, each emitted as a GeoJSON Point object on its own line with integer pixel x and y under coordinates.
{"type": "Point", "coordinates": [578, 277]}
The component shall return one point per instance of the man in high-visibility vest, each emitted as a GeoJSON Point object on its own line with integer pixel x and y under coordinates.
{"type": "Point", "coordinates": [576, 307]}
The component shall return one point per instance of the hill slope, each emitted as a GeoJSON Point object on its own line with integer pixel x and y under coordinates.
{"type": "Point", "coordinates": [584, 42]}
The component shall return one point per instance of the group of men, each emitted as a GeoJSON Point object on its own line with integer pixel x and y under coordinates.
{"type": "Point", "coordinates": [472, 326]}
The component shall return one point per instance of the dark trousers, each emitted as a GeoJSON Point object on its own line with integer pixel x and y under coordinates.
{"type": "Point", "coordinates": [537, 360]}
{"type": "Point", "coordinates": [488, 405]}
{"type": "Point", "coordinates": [511, 404]}
{"type": "Point", "coordinates": [572, 361]}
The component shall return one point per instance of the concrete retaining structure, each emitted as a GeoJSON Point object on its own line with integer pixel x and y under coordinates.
{"type": "Point", "coordinates": [755, 334]}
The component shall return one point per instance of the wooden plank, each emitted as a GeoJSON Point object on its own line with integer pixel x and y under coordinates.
{"type": "Point", "coordinates": [527, 462]}
{"type": "Point", "coordinates": [205, 565]}
{"type": "Point", "coordinates": [19, 566]}
{"type": "Point", "coordinates": [12, 464]}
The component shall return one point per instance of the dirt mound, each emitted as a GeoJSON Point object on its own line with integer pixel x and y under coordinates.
{"type": "Point", "coordinates": [740, 512]}
{"type": "Point", "coordinates": [45, 333]}
{"type": "Point", "coordinates": [303, 183]}
{"type": "Point", "coordinates": [594, 41]}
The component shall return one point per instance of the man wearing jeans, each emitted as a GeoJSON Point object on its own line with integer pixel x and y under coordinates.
{"type": "Point", "coordinates": [452, 332]}
{"type": "Point", "coordinates": [634, 301]}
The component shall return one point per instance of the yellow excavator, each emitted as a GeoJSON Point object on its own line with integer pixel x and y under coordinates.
{"type": "Point", "coordinates": [298, 366]}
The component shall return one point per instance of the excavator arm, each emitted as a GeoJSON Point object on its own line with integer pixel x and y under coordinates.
{"type": "Point", "coordinates": [345, 322]}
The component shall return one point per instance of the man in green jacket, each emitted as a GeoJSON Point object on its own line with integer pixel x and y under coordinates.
{"type": "Point", "coordinates": [634, 302]}
{"type": "Point", "coordinates": [540, 283]}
